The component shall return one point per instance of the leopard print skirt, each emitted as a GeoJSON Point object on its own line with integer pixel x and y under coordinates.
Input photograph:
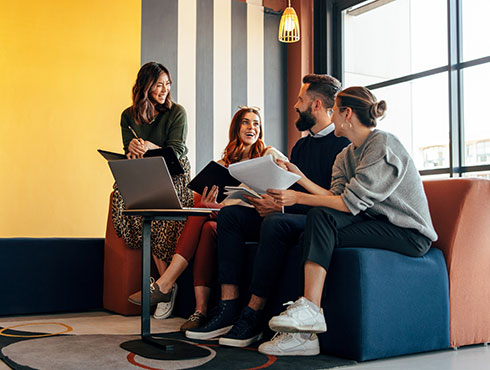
{"type": "Point", "coordinates": [164, 234]}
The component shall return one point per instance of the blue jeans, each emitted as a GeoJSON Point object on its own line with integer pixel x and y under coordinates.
{"type": "Point", "coordinates": [276, 233]}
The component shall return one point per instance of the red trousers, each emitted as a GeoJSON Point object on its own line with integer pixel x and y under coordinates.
{"type": "Point", "coordinates": [199, 240]}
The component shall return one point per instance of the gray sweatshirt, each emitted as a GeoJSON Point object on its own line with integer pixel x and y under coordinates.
{"type": "Point", "coordinates": [380, 178]}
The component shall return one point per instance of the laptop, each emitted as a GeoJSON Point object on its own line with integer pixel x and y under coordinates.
{"type": "Point", "coordinates": [146, 184]}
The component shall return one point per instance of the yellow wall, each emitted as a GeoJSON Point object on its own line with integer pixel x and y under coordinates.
{"type": "Point", "coordinates": [66, 71]}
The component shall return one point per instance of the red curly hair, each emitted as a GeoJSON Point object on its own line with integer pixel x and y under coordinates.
{"type": "Point", "coordinates": [234, 150]}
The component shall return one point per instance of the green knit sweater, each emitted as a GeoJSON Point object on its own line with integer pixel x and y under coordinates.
{"type": "Point", "coordinates": [168, 129]}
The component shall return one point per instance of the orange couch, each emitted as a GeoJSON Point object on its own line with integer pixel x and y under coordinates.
{"type": "Point", "coordinates": [122, 272]}
{"type": "Point", "coordinates": [460, 211]}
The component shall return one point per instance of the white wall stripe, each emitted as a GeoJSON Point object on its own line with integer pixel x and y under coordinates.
{"type": "Point", "coordinates": [186, 57]}
{"type": "Point", "coordinates": [255, 54]}
{"type": "Point", "coordinates": [222, 74]}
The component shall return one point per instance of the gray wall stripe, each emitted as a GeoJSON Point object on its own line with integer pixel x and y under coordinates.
{"type": "Point", "coordinates": [238, 55]}
{"type": "Point", "coordinates": [159, 35]}
{"type": "Point", "coordinates": [204, 84]}
{"type": "Point", "coordinates": [275, 85]}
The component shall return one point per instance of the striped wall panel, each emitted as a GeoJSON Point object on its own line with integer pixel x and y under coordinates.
{"type": "Point", "coordinates": [221, 54]}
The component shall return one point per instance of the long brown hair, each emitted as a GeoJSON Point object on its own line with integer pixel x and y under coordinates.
{"type": "Point", "coordinates": [234, 150]}
{"type": "Point", "coordinates": [363, 103]}
{"type": "Point", "coordinates": [143, 110]}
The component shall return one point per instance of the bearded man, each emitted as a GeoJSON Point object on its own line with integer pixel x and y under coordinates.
{"type": "Point", "coordinates": [275, 229]}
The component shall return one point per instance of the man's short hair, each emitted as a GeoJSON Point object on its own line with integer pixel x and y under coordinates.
{"type": "Point", "coordinates": [323, 87]}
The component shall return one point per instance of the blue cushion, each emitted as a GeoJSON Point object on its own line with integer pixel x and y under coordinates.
{"type": "Point", "coordinates": [381, 304]}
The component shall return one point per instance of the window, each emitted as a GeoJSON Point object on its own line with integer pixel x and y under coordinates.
{"type": "Point", "coordinates": [392, 40]}
{"type": "Point", "coordinates": [430, 61]}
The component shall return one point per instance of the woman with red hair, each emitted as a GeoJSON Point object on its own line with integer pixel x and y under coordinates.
{"type": "Point", "coordinates": [198, 239]}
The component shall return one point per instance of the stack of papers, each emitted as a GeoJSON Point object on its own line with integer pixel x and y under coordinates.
{"type": "Point", "coordinates": [236, 192]}
{"type": "Point", "coordinates": [262, 173]}
{"type": "Point", "coordinates": [258, 174]}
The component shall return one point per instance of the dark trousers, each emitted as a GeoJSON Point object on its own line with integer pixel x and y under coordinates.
{"type": "Point", "coordinates": [327, 229]}
{"type": "Point", "coordinates": [276, 233]}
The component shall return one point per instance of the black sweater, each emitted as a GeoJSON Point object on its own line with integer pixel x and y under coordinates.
{"type": "Point", "coordinates": [315, 158]}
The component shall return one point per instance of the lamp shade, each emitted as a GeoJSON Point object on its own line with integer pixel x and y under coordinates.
{"type": "Point", "coordinates": [289, 26]}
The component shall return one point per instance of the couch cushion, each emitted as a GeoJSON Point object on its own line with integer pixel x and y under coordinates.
{"type": "Point", "coordinates": [380, 303]}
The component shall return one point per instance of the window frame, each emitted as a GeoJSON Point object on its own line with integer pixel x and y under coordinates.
{"type": "Point", "coordinates": [332, 11]}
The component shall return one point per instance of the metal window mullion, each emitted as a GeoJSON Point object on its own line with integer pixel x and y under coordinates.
{"type": "Point", "coordinates": [338, 45]}
{"type": "Point", "coordinates": [455, 147]}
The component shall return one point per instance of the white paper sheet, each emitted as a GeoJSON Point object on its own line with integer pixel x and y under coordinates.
{"type": "Point", "coordinates": [262, 173]}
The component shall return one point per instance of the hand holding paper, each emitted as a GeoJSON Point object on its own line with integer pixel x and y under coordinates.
{"type": "Point", "coordinates": [262, 173]}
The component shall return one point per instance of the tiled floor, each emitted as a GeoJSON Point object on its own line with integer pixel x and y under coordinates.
{"type": "Point", "coordinates": [466, 358]}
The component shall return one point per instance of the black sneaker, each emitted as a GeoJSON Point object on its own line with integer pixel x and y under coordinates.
{"type": "Point", "coordinates": [247, 329]}
{"type": "Point", "coordinates": [221, 320]}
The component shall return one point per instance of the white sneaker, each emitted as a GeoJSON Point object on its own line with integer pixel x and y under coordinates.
{"type": "Point", "coordinates": [291, 344]}
{"type": "Point", "coordinates": [164, 309]}
{"type": "Point", "coordinates": [301, 316]}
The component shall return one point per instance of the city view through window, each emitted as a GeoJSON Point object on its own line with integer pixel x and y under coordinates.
{"type": "Point", "coordinates": [403, 38]}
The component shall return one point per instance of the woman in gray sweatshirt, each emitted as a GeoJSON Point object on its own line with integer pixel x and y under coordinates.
{"type": "Point", "coordinates": [376, 200]}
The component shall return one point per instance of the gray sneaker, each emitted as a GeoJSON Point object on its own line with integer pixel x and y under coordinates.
{"type": "Point", "coordinates": [155, 295]}
{"type": "Point", "coordinates": [291, 344]}
{"type": "Point", "coordinates": [301, 316]}
{"type": "Point", "coordinates": [164, 309]}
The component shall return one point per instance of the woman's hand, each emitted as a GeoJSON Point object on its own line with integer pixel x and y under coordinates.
{"type": "Point", "coordinates": [136, 149]}
{"type": "Point", "coordinates": [291, 167]}
{"type": "Point", "coordinates": [209, 196]}
{"type": "Point", "coordinates": [284, 197]}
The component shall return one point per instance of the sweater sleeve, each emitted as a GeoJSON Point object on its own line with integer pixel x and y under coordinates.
{"type": "Point", "coordinates": [377, 175]}
{"type": "Point", "coordinates": [126, 133]}
{"type": "Point", "coordinates": [177, 132]}
{"type": "Point", "coordinates": [339, 177]}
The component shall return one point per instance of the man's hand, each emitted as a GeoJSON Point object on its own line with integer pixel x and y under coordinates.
{"type": "Point", "coordinates": [264, 206]}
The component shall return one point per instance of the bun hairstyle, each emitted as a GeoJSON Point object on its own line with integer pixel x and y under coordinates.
{"type": "Point", "coordinates": [363, 103]}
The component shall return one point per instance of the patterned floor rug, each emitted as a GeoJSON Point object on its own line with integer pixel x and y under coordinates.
{"type": "Point", "coordinates": [23, 348]}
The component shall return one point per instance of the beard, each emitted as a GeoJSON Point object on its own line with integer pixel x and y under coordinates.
{"type": "Point", "coordinates": [305, 121]}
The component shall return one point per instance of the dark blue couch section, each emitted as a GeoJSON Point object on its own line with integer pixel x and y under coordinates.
{"type": "Point", "coordinates": [50, 275]}
{"type": "Point", "coordinates": [377, 303]}
{"type": "Point", "coordinates": [381, 304]}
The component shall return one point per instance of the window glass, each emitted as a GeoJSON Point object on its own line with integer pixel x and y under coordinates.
{"type": "Point", "coordinates": [417, 113]}
{"type": "Point", "coordinates": [481, 175]}
{"type": "Point", "coordinates": [397, 39]}
{"type": "Point", "coordinates": [476, 29]}
{"type": "Point", "coordinates": [476, 118]}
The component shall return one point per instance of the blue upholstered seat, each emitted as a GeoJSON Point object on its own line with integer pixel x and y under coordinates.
{"type": "Point", "coordinates": [377, 303]}
{"type": "Point", "coordinates": [381, 304]}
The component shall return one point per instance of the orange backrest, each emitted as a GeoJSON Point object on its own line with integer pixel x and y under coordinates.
{"type": "Point", "coordinates": [460, 211]}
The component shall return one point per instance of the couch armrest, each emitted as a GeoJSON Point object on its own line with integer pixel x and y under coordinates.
{"type": "Point", "coordinates": [460, 210]}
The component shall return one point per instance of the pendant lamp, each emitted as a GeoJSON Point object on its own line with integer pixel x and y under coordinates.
{"type": "Point", "coordinates": [289, 26]}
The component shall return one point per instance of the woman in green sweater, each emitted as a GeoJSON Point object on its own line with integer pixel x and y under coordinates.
{"type": "Point", "coordinates": [154, 121]}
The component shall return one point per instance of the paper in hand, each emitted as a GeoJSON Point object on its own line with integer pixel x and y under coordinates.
{"type": "Point", "coordinates": [263, 173]}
